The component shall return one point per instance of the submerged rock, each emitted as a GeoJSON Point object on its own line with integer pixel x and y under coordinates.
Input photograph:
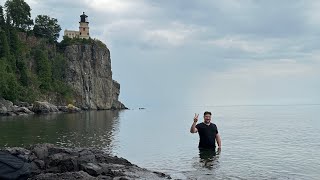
{"type": "Point", "coordinates": [50, 162]}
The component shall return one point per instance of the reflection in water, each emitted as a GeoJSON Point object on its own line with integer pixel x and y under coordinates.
{"type": "Point", "coordinates": [87, 129]}
{"type": "Point", "coordinates": [208, 158]}
{"type": "Point", "coordinates": [206, 165]}
{"type": "Point", "coordinates": [139, 136]}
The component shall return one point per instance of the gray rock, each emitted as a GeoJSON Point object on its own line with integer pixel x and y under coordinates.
{"type": "Point", "coordinates": [104, 177]}
{"type": "Point", "coordinates": [69, 109]}
{"type": "Point", "coordinates": [44, 107]}
{"type": "Point", "coordinates": [5, 107]}
{"type": "Point", "coordinates": [41, 150]}
{"type": "Point", "coordinates": [50, 162]}
{"type": "Point", "coordinates": [88, 158]}
{"type": "Point", "coordinates": [92, 169]}
{"type": "Point", "coordinates": [90, 76]}
{"type": "Point", "coordinates": [22, 104]}
{"type": "Point", "coordinates": [62, 162]}
{"type": "Point", "coordinates": [74, 109]}
{"type": "Point", "coordinates": [10, 113]}
{"type": "Point", "coordinates": [80, 175]}
{"type": "Point", "coordinates": [3, 110]}
{"type": "Point", "coordinates": [23, 110]}
{"type": "Point", "coordinates": [6, 103]}
{"type": "Point", "coordinates": [39, 163]}
{"type": "Point", "coordinates": [63, 108]}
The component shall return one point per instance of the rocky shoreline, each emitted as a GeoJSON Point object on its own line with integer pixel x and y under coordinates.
{"type": "Point", "coordinates": [46, 161]}
{"type": "Point", "coordinates": [7, 108]}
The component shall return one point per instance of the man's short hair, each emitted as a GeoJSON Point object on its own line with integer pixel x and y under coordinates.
{"type": "Point", "coordinates": [207, 112]}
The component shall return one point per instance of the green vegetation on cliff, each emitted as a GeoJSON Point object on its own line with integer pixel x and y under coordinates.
{"type": "Point", "coordinates": [30, 65]}
{"type": "Point", "coordinates": [68, 41]}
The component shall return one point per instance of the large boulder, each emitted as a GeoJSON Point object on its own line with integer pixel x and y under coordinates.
{"type": "Point", "coordinates": [3, 110]}
{"type": "Point", "coordinates": [44, 107]}
{"type": "Point", "coordinates": [5, 107]}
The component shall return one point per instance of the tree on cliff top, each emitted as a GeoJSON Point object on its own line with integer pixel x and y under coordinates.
{"type": "Point", "coordinates": [18, 14]}
{"type": "Point", "coordinates": [47, 27]}
{"type": "Point", "coordinates": [26, 71]}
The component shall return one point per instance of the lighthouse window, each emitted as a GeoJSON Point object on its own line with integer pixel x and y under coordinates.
{"type": "Point", "coordinates": [88, 34]}
{"type": "Point", "coordinates": [84, 29]}
{"type": "Point", "coordinates": [80, 33]}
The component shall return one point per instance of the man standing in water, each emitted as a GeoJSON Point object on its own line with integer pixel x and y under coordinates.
{"type": "Point", "coordinates": [208, 133]}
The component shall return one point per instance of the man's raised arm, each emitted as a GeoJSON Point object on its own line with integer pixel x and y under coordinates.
{"type": "Point", "coordinates": [193, 128]}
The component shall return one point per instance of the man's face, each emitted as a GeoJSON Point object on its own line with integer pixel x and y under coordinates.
{"type": "Point", "coordinates": [207, 118]}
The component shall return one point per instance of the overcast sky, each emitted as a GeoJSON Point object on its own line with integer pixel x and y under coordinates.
{"type": "Point", "coordinates": [203, 52]}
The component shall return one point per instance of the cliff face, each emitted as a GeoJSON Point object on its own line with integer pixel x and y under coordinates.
{"type": "Point", "coordinates": [89, 74]}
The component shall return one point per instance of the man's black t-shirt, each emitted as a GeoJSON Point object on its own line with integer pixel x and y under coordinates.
{"type": "Point", "coordinates": [207, 134]}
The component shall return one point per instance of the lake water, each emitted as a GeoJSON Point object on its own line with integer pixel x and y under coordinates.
{"type": "Point", "coordinates": [259, 142]}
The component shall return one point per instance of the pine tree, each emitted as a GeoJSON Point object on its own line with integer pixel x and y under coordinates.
{"type": "Point", "coordinates": [3, 73]}
{"type": "Point", "coordinates": [43, 69]}
{"type": "Point", "coordinates": [4, 46]}
{"type": "Point", "coordinates": [18, 14]}
{"type": "Point", "coordinates": [46, 27]}
{"type": "Point", "coordinates": [23, 72]}
{"type": "Point", "coordinates": [8, 83]}
{"type": "Point", "coordinates": [2, 21]}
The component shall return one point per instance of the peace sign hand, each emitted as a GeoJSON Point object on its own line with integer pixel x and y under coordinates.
{"type": "Point", "coordinates": [195, 119]}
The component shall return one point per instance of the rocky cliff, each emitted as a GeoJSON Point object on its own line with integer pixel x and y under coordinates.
{"type": "Point", "coordinates": [89, 74]}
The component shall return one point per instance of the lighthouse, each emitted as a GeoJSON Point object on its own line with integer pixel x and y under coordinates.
{"type": "Point", "coordinates": [84, 26]}
{"type": "Point", "coordinates": [83, 32]}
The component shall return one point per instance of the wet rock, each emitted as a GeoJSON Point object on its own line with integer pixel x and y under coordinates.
{"type": "Point", "coordinates": [50, 162]}
{"type": "Point", "coordinates": [80, 175]}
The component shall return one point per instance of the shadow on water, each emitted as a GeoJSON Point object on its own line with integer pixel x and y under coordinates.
{"type": "Point", "coordinates": [86, 129]}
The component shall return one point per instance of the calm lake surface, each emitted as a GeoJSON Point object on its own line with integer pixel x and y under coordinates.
{"type": "Point", "coordinates": [259, 142]}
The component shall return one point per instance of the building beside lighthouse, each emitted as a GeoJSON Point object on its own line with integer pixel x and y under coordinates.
{"type": "Point", "coordinates": [83, 32]}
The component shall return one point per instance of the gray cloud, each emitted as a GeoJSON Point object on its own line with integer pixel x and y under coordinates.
{"type": "Point", "coordinates": [161, 49]}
